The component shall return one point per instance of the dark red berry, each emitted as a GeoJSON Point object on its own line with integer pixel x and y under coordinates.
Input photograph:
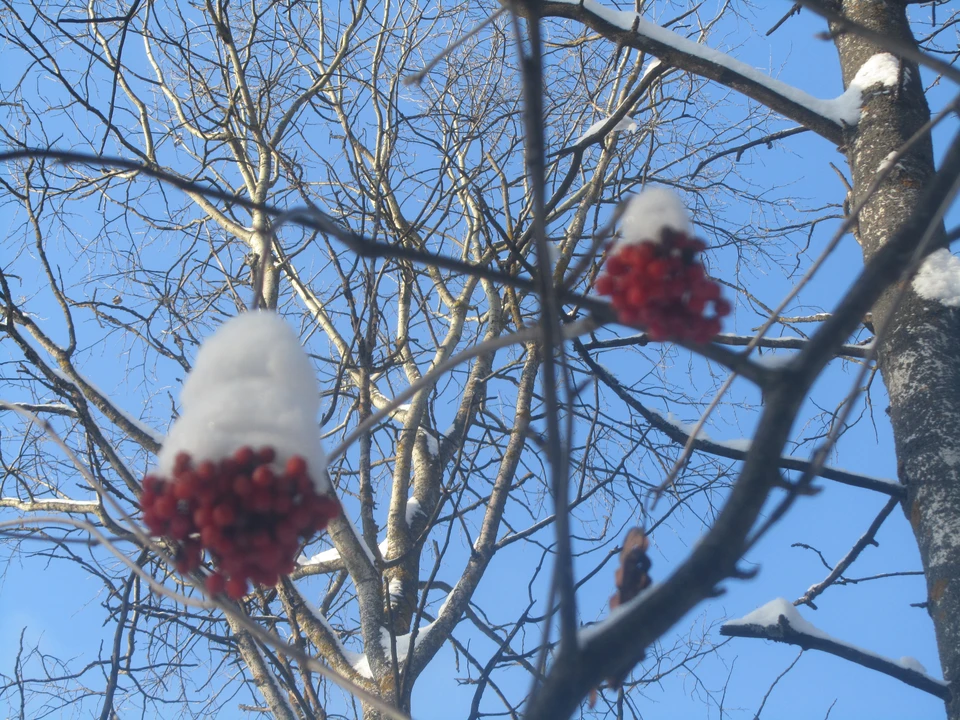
{"type": "Point", "coordinates": [245, 456]}
{"type": "Point", "coordinates": [282, 504]}
{"type": "Point", "coordinates": [295, 466]}
{"type": "Point", "coordinates": [224, 515]}
{"type": "Point", "coordinates": [165, 507]}
{"type": "Point", "coordinates": [180, 527]}
{"type": "Point", "coordinates": [260, 501]}
{"type": "Point", "coordinates": [242, 486]}
{"type": "Point", "coordinates": [147, 499]}
{"type": "Point", "coordinates": [215, 583]}
{"type": "Point", "coordinates": [206, 471]}
{"type": "Point", "coordinates": [186, 486]}
{"type": "Point", "coordinates": [236, 588]}
{"type": "Point", "coordinates": [188, 559]}
{"type": "Point", "coordinates": [156, 525]}
{"type": "Point", "coordinates": [181, 462]}
{"type": "Point", "coordinates": [211, 536]}
{"type": "Point", "coordinates": [262, 477]}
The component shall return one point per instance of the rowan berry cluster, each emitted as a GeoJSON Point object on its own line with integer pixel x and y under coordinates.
{"type": "Point", "coordinates": [663, 287]}
{"type": "Point", "coordinates": [249, 517]}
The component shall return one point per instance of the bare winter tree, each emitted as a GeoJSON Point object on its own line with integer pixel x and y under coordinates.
{"type": "Point", "coordinates": [424, 191]}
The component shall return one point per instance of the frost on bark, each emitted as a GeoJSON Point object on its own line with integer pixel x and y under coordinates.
{"type": "Point", "coordinates": [920, 357]}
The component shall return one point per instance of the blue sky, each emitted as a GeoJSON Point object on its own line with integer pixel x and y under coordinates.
{"type": "Point", "coordinates": [62, 612]}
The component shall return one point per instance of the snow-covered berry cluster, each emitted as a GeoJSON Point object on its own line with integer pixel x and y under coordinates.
{"type": "Point", "coordinates": [241, 474]}
{"type": "Point", "coordinates": [654, 277]}
{"type": "Point", "coordinates": [249, 515]}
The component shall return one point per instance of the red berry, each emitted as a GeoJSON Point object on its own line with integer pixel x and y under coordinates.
{"type": "Point", "coordinates": [295, 466]}
{"type": "Point", "coordinates": [262, 477]}
{"type": "Point", "coordinates": [245, 456]}
{"type": "Point", "coordinates": [224, 515]}
{"type": "Point", "coordinates": [333, 506]}
{"type": "Point", "coordinates": [181, 462]}
{"type": "Point", "coordinates": [266, 455]}
{"type": "Point", "coordinates": [206, 471]}
{"type": "Point", "coordinates": [211, 536]}
{"type": "Point", "coordinates": [188, 559]}
{"type": "Point", "coordinates": [203, 516]}
{"type": "Point", "coordinates": [285, 534]}
{"type": "Point", "coordinates": [615, 265]}
{"type": "Point", "coordinates": [147, 499]}
{"type": "Point", "coordinates": [260, 501]}
{"type": "Point", "coordinates": [206, 497]}
{"type": "Point", "coordinates": [305, 485]}
{"type": "Point", "coordinates": [242, 486]}
{"type": "Point", "coordinates": [236, 588]}
{"type": "Point", "coordinates": [265, 578]}
{"type": "Point", "coordinates": [300, 518]}
{"type": "Point", "coordinates": [709, 290]}
{"type": "Point", "coordinates": [214, 583]}
{"type": "Point", "coordinates": [225, 546]}
{"type": "Point", "coordinates": [165, 507]}
{"type": "Point", "coordinates": [156, 525]}
{"type": "Point", "coordinates": [180, 527]}
{"type": "Point", "coordinates": [232, 564]}
{"type": "Point", "coordinates": [226, 469]}
{"type": "Point", "coordinates": [605, 285]}
{"type": "Point", "coordinates": [267, 558]}
{"type": "Point", "coordinates": [186, 485]}
{"type": "Point", "coordinates": [282, 504]}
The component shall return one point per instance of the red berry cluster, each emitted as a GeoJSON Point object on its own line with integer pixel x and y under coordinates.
{"type": "Point", "coordinates": [664, 288]}
{"type": "Point", "coordinates": [246, 515]}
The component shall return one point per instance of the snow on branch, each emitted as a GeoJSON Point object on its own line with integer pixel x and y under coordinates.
{"type": "Point", "coordinates": [114, 413]}
{"type": "Point", "coordinates": [51, 505]}
{"type": "Point", "coordinates": [827, 117]}
{"type": "Point", "coordinates": [780, 621]}
{"type": "Point", "coordinates": [939, 278]}
{"type": "Point", "coordinates": [627, 124]}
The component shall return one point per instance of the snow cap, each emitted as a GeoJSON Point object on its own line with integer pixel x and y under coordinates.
{"type": "Point", "coordinates": [251, 384]}
{"type": "Point", "coordinates": [939, 278]}
{"type": "Point", "coordinates": [648, 213]}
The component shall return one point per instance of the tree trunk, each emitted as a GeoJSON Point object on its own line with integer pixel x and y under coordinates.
{"type": "Point", "coordinates": [920, 356]}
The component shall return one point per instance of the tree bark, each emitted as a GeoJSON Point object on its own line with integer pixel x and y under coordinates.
{"type": "Point", "coordinates": [920, 356]}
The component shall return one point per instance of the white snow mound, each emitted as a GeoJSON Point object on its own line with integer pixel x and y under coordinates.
{"type": "Point", "coordinates": [769, 616]}
{"type": "Point", "coordinates": [939, 278]}
{"type": "Point", "coordinates": [251, 384]}
{"type": "Point", "coordinates": [648, 213]}
{"type": "Point", "coordinates": [882, 69]}
{"type": "Point", "coordinates": [626, 124]}
{"type": "Point", "coordinates": [911, 663]}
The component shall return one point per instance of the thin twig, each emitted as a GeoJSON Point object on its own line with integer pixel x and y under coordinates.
{"type": "Point", "coordinates": [417, 77]}
{"type": "Point", "coordinates": [866, 539]}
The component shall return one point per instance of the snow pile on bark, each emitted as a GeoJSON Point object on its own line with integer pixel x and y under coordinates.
{"type": "Point", "coordinates": [627, 124]}
{"type": "Point", "coordinates": [769, 616]}
{"type": "Point", "coordinates": [939, 278]}
{"type": "Point", "coordinates": [882, 69]}
{"type": "Point", "coordinates": [251, 385]}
